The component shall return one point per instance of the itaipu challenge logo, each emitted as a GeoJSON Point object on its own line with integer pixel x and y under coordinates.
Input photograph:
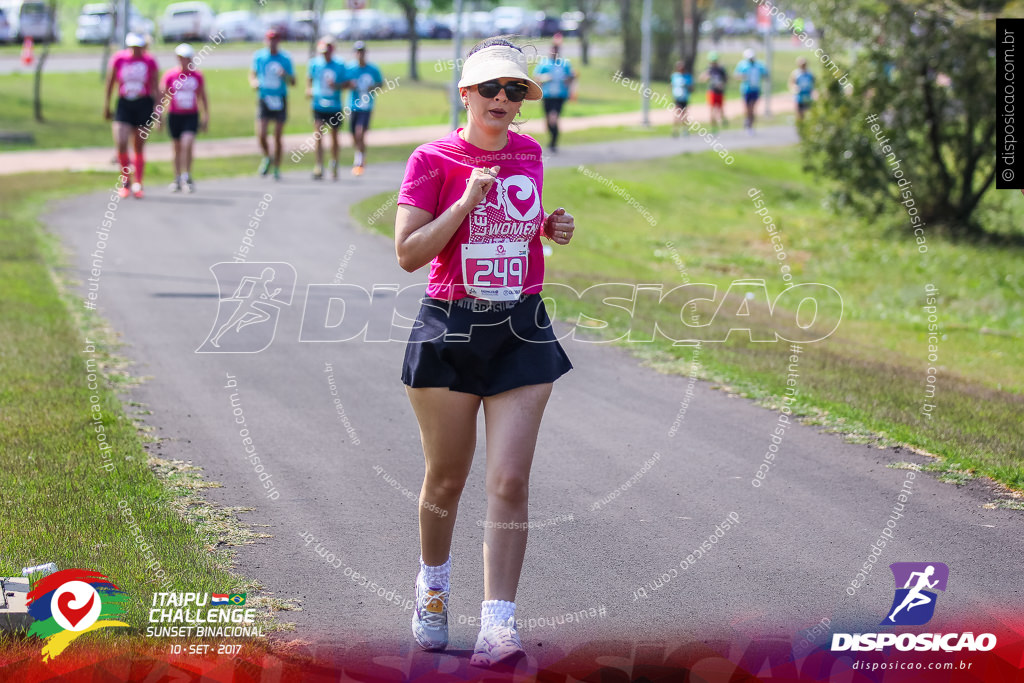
{"type": "Point", "coordinates": [70, 603]}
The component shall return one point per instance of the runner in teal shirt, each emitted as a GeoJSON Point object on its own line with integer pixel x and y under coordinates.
{"type": "Point", "coordinates": [556, 77]}
{"type": "Point", "coordinates": [751, 73]}
{"type": "Point", "coordinates": [365, 78]}
{"type": "Point", "coordinates": [327, 77]}
{"type": "Point", "coordinates": [801, 84]}
{"type": "Point", "coordinates": [271, 74]}
{"type": "Point", "coordinates": [682, 86]}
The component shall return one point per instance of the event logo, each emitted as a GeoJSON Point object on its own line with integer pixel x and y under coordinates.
{"type": "Point", "coordinates": [70, 603]}
{"type": "Point", "coordinates": [519, 196]}
{"type": "Point", "coordinates": [247, 319]}
{"type": "Point", "coordinates": [914, 603]}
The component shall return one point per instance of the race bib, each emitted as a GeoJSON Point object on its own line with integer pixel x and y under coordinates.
{"type": "Point", "coordinates": [273, 102]}
{"type": "Point", "coordinates": [272, 75]}
{"type": "Point", "coordinates": [185, 98]}
{"type": "Point", "coordinates": [134, 80]}
{"type": "Point", "coordinates": [495, 271]}
{"type": "Point", "coordinates": [133, 90]}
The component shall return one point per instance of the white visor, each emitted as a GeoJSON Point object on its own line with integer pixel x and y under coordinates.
{"type": "Point", "coordinates": [498, 61]}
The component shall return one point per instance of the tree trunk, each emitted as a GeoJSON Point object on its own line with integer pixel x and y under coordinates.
{"type": "Point", "coordinates": [410, 16]}
{"type": "Point", "coordinates": [630, 40]}
{"type": "Point", "coordinates": [696, 19]}
{"type": "Point", "coordinates": [584, 31]}
{"type": "Point", "coordinates": [679, 25]}
{"type": "Point", "coordinates": [37, 85]}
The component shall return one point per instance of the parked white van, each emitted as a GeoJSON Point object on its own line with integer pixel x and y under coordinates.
{"type": "Point", "coordinates": [29, 19]}
{"type": "Point", "coordinates": [184, 21]}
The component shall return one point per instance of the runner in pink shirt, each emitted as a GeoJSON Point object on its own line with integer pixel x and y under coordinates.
{"type": "Point", "coordinates": [470, 206]}
{"type": "Point", "coordinates": [183, 91]}
{"type": "Point", "coordinates": [136, 74]}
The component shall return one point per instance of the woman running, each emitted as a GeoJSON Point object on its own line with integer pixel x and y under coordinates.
{"type": "Point", "coordinates": [184, 88]}
{"type": "Point", "coordinates": [136, 74]}
{"type": "Point", "coordinates": [470, 206]}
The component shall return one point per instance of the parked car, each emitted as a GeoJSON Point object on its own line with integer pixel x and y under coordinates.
{"type": "Point", "coordinates": [449, 21]}
{"type": "Point", "coordinates": [238, 25]}
{"type": "Point", "coordinates": [5, 28]}
{"type": "Point", "coordinates": [544, 25]}
{"type": "Point", "coordinates": [432, 27]}
{"type": "Point", "coordinates": [30, 19]}
{"type": "Point", "coordinates": [569, 24]}
{"type": "Point", "coordinates": [187, 21]}
{"type": "Point", "coordinates": [303, 25]}
{"type": "Point", "coordinates": [337, 23]}
{"type": "Point", "coordinates": [506, 20]}
{"type": "Point", "coordinates": [96, 24]}
{"type": "Point", "coordinates": [481, 25]}
{"type": "Point", "coordinates": [399, 26]}
{"type": "Point", "coordinates": [370, 24]}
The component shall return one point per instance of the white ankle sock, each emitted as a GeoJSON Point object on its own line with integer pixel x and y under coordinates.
{"type": "Point", "coordinates": [496, 612]}
{"type": "Point", "coordinates": [438, 577]}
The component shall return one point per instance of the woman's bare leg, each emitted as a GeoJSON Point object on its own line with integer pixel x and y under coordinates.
{"type": "Point", "coordinates": [447, 421]}
{"type": "Point", "coordinates": [513, 421]}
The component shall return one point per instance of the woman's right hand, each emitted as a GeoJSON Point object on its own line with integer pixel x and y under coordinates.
{"type": "Point", "coordinates": [479, 184]}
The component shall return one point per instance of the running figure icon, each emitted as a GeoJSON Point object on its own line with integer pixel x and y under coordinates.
{"type": "Point", "coordinates": [915, 597]}
{"type": "Point", "coordinates": [251, 308]}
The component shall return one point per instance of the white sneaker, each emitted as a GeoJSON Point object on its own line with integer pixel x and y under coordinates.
{"type": "Point", "coordinates": [175, 186]}
{"type": "Point", "coordinates": [498, 645]}
{"type": "Point", "coordinates": [430, 617]}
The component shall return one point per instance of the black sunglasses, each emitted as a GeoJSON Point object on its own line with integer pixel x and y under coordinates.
{"type": "Point", "coordinates": [514, 90]}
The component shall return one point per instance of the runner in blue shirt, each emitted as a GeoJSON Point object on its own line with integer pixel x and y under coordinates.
{"type": "Point", "coordinates": [751, 73]}
{"type": "Point", "coordinates": [271, 74]}
{"type": "Point", "coordinates": [327, 77]}
{"type": "Point", "coordinates": [365, 78]}
{"type": "Point", "coordinates": [682, 86]}
{"type": "Point", "coordinates": [801, 84]}
{"type": "Point", "coordinates": [556, 79]}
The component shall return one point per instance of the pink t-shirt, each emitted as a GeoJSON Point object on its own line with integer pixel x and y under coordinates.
{"type": "Point", "coordinates": [496, 253]}
{"type": "Point", "coordinates": [133, 75]}
{"type": "Point", "coordinates": [183, 89]}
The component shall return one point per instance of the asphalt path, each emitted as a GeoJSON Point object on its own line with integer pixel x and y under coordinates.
{"type": "Point", "coordinates": [801, 536]}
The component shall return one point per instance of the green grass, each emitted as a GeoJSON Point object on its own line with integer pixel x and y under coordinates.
{"type": "Point", "coordinates": [73, 103]}
{"type": "Point", "coordinates": [57, 504]}
{"type": "Point", "coordinates": [870, 375]}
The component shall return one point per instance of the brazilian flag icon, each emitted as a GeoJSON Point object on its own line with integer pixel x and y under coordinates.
{"type": "Point", "coordinates": [237, 599]}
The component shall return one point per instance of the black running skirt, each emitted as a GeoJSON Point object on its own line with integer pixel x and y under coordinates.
{"type": "Point", "coordinates": [483, 348]}
{"type": "Point", "coordinates": [135, 112]}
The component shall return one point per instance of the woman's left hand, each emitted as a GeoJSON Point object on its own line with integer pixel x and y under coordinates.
{"type": "Point", "coordinates": [559, 226]}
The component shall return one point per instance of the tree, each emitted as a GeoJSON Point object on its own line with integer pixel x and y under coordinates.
{"type": "Point", "coordinates": [675, 33]}
{"type": "Point", "coordinates": [926, 71]}
{"type": "Point", "coordinates": [629, 19]}
{"type": "Point", "coordinates": [409, 9]}
{"type": "Point", "coordinates": [37, 84]}
{"type": "Point", "coordinates": [693, 13]}
{"type": "Point", "coordinates": [587, 8]}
